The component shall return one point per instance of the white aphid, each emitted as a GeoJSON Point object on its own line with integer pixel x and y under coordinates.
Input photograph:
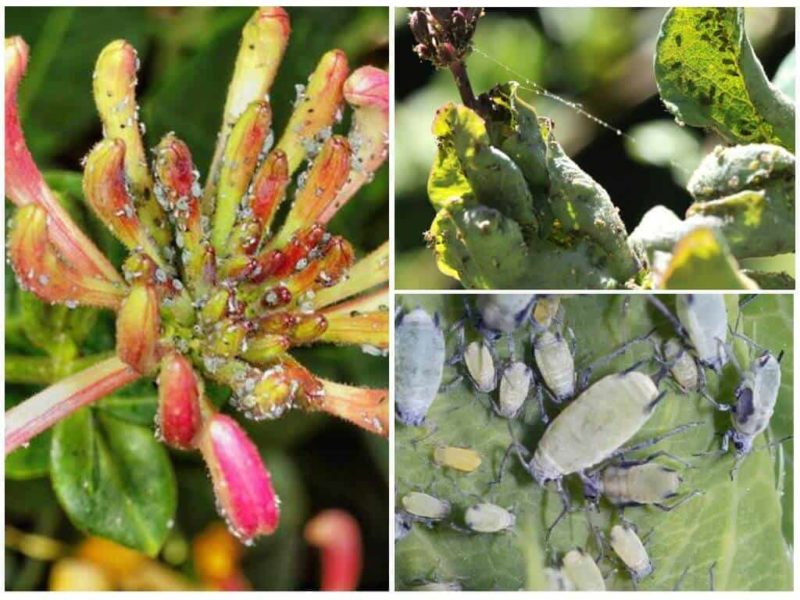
{"type": "Point", "coordinates": [636, 484]}
{"type": "Point", "coordinates": [503, 312]}
{"type": "Point", "coordinates": [402, 526]}
{"type": "Point", "coordinates": [705, 318]}
{"type": "Point", "coordinates": [682, 366]}
{"type": "Point", "coordinates": [756, 396]}
{"type": "Point", "coordinates": [419, 363]}
{"type": "Point", "coordinates": [426, 507]}
{"type": "Point", "coordinates": [480, 366]}
{"type": "Point", "coordinates": [515, 384]}
{"type": "Point", "coordinates": [555, 363]}
{"type": "Point", "coordinates": [583, 572]}
{"type": "Point", "coordinates": [631, 551]}
{"type": "Point", "coordinates": [488, 518]}
{"type": "Point", "coordinates": [557, 580]}
{"type": "Point", "coordinates": [596, 424]}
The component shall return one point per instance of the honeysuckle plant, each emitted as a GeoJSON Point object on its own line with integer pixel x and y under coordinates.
{"type": "Point", "coordinates": [217, 286]}
{"type": "Point", "coordinates": [515, 211]}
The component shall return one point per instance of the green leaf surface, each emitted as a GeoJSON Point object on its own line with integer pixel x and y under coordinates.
{"type": "Point", "coordinates": [738, 526]}
{"type": "Point", "coordinates": [786, 75]}
{"type": "Point", "coordinates": [114, 479]}
{"type": "Point", "coordinates": [31, 460]}
{"type": "Point", "coordinates": [709, 76]}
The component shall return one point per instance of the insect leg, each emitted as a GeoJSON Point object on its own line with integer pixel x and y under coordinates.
{"type": "Point", "coordinates": [654, 440]}
{"type": "Point", "coordinates": [676, 324]}
{"type": "Point", "coordinates": [519, 449]}
{"type": "Point", "coordinates": [711, 576]}
{"type": "Point", "coordinates": [686, 498]}
{"type": "Point", "coordinates": [583, 378]}
{"type": "Point", "coordinates": [564, 510]}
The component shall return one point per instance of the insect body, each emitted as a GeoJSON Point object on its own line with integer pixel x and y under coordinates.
{"type": "Point", "coordinates": [402, 526]}
{"type": "Point", "coordinates": [545, 312]}
{"type": "Point", "coordinates": [425, 507]}
{"type": "Point", "coordinates": [705, 318]}
{"type": "Point", "coordinates": [631, 551]}
{"type": "Point", "coordinates": [488, 518]}
{"type": "Point", "coordinates": [581, 570]}
{"type": "Point", "coordinates": [480, 364]}
{"type": "Point", "coordinates": [557, 580]}
{"type": "Point", "coordinates": [419, 362]}
{"type": "Point", "coordinates": [515, 384]}
{"type": "Point", "coordinates": [503, 313]}
{"type": "Point", "coordinates": [682, 365]}
{"type": "Point", "coordinates": [460, 459]}
{"type": "Point", "coordinates": [632, 484]}
{"type": "Point", "coordinates": [600, 420]}
{"type": "Point", "coordinates": [756, 396]}
{"type": "Point", "coordinates": [555, 363]}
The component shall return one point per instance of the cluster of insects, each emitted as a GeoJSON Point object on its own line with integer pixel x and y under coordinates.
{"type": "Point", "coordinates": [589, 437]}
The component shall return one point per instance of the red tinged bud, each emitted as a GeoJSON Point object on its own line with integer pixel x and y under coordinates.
{"type": "Point", "coordinates": [242, 484]}
{"type": "Point", "coordinates": [180, 415]}
{"type": "Point", "coordinates": [337, 535]}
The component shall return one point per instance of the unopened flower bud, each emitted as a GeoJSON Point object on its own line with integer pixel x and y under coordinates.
{"type": "Point", "coordinates": [138, 329]}
{"type": "Point", "coordinates": [337, 535]}
{"type": "Point", "coordinates": [179, 402]}
{"type": "Point", "coordinates": [242, 484]}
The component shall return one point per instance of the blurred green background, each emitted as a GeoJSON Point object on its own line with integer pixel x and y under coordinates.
{"type": "Point", "coordinates": [600, 58]}
{"type": "Point", "coordinates": [187, 57]}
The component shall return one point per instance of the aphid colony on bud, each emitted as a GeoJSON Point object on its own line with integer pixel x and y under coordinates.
{"type": "Point", "coordinates": [211, 282]}
{"type": "Point", "coordinates": [591, 437]}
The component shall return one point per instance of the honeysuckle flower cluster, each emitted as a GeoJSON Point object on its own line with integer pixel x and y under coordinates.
{"type": "Point", "coordinates": [211, 288]}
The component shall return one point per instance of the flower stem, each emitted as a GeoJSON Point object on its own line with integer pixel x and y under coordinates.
{"type": "Point", "coordinates": [459, 71]}
{"type": "Point", "coordinates": [56, 402]}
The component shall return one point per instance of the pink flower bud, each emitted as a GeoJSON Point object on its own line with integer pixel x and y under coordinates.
{"type": "Point", "coordinates": [138, 329]}
{"type": "Point", "coordinates": [180, 415]}
{"type": "Point", "coordinates": [337, 534]}
{"type": "Point", "coordinates": [242, 484]}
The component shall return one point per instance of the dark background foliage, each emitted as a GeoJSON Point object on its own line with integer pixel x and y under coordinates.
{"type": "Point", "coordinates": [187, 57]}
{"type": "Point", "coordinates": [600, 58]}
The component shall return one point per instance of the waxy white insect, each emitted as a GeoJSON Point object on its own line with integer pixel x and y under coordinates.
{"type": "Point", "coordinates": [425, 507]}
{"type": "Point", "coordinates": [480, 364]}
{"type": "Point", "coordinates": [631, 551]}
{"type": "Point", "coordinates": [419, 363]}
{"type": "Point", "coordinates": [705, 319]}
{"type": "Point", "coordinates": [488, 518]}
{"type": "Point", "coordinates": [682, 366]}
{"type": "Point", "coordinates": [555, 363]}
{"type": "Point", "coordinates": [503, 313]}
{"type": "Point", "coordinates": [402, 525]}
{"type": "Point", "coordinates": [582, 571]}
{"type": "Point", "coordinates": [515, 385]}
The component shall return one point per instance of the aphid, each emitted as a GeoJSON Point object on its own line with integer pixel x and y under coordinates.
{"type": "Point", "coordinates": [480, 364]}
{"type": "Point", "coordinates": [751, 413]}
{"type": "Point", "coordinates": [419, 362]}
{"type": "Point", "coordinates": [682, 365]}
{"type": "Point", "coordinates": [425, 507]}
{"type": "Point", "coordinates": [488, 518]}
{"type": "Point", "coordinates": [502, 313]}
{"type": "Point", "coordinates": [631, 552]}
{"type": "Point", "coordinates": [402, 525]}
{"type": "Point", "coordinates": [555, 364]}
{"type": "Point", "coordinates": [591, 430]}
{"type": "Point", "coordinates": [515, 385]}
{"type": "Point", "coordinates": [636, 483]}
{"type": "Point", "coordinates": [581, 570]}
{"type": "Point", "coordinates": [546, 311]}
{"type": "Point", "coordinates": [705, 318]}
{"type": "Point", "coordinates": [557, 580]}
{"type": "Point", "coordinates": [460, 459]}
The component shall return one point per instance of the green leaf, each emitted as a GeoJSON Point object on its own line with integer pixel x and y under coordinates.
{"type": "Point", "coordinates": [136, 403]}
{"type": "Point", "coordinates": [702, 260]}
{"type": "Point", "coordinates": [114, 479]}
{"type": "Point", "coordinates": [31, 460]}
{"type": "Point", "coordinates": [709, 76]}
{"type": "Point", "coordinates": [785, 76]}
{"type": "Point", "coordinates": [64, 45]}
{"type": "Point", "coordinates": [735, 525]}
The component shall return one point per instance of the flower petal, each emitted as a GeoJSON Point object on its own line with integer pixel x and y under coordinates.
{"type": "Point", "coordinates": [41, 270]}
{"type": "Point", "coordinates": [264, 40]}
{"type": "Point", "coordinates": [114, 84]}
{"type": "Point", "coordinates": [337, 535]}
{"type": "Point", "coordinates": [139, 329]}
{"type": "Point", "coordinates": [25, 185]}
{"type": "Point", "coordinates": [361, 321]}
{"type": "Point", "coordinates": [316, 108]}
{"type": "Point", "coordinates": [367, 91]}
{"type": "Point", "coordinates": [180, 414]}
{"type": "Point", "coordinates": [368, 408]}
{"type": "Point", "coordinates": [242, 152]}
{"type": "Point", "coordinates": [368, 272]}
